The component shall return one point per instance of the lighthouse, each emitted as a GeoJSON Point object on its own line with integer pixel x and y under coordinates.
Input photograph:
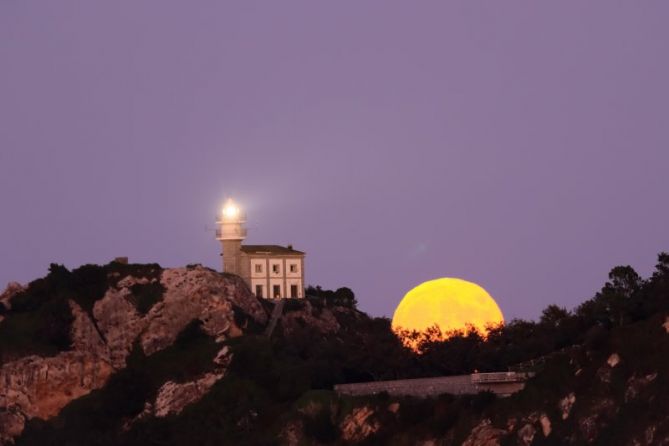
{"type": "Point", "coordinates": [270, 271]}
{"type": "Point", "coordinates": [231, 232]}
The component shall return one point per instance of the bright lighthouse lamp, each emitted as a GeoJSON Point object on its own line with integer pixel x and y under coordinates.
{"type": "Point", "coordinates": [230, 209]}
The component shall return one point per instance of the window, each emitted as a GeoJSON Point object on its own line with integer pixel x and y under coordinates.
{"type": "Point", "coordinates": [276, 290]}
{"type": "Point", "coordinates": [258, 268]}
{"type": "Point", "coordinates": [293, 267]}
{"type": "Point", "coordinates": [258, 290]}
{"type": "Point", "coordinates": [275, 268]}
{"type": "Point", "coordinates": [293, 290]}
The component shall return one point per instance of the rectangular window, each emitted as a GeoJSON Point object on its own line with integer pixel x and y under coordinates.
{"type": "Point", "coordinates": [258, 268]}
{"type": "Point", "coordinates": [258, 290]}
{"type": "Point", "coordinates": [275, 269]}
{"type": "Point", "coordinates": [293, 291]}
{"type": "Point", "coordinates": [293, 267]}
{"type": "Point", "coordinates": [277, 291]}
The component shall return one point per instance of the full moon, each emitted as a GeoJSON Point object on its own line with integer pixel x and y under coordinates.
{"type": "Point", "coordinates": [449, 303]}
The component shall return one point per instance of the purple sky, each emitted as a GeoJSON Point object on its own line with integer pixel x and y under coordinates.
{"type": "Point", "coordinates": [520, 145]}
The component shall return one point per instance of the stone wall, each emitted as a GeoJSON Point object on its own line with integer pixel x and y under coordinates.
{"type": "Point", "coordinates": [426, 387]}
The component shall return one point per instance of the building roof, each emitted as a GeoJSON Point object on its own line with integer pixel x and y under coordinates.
{"type": "Point", "coordinates": [271, 250]}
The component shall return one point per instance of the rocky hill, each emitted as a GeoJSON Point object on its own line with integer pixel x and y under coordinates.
{"type": "Point", "coordinates": [137, 354]}
{"type": "Point", "coordinates": [67, 334]}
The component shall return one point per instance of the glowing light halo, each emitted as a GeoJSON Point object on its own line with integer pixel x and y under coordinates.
{"type": "Point", "coordinates": [230, 209]}
{"type": "Point", "coordinates": [451, 304]}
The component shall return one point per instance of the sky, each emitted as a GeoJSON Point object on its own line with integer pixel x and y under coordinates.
{"type": "Point", "coordinates": [520, 145]}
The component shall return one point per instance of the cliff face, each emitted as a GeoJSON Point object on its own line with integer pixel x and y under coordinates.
{"type": "Point", "coordinates": [39, 387]}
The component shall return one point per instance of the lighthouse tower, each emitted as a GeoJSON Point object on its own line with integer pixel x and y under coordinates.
{"type": "Point", "coordinates": [231, 232]}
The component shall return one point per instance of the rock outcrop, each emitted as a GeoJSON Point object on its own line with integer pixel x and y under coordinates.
{"type": "Point", "coordinates": [566, 404]}
{"type": "Point", "coordinates": [526, 434]}
{"type": "Point", "coordinates": [545, 424]}
{"type": "Point", "coordinates": [40, 387]}
{"type": "Point", "coordinates": [190, 293]}
{"type": "Point", "coordinates": [173, 397]}
{"type": "Point", "coordinates": [37, 386]}
{"type": "Point", "coordinates": [359, 425]}
{"type": "Point", "coordinates": [485, 434]}
{"type": "Point", "coordinates": [12, 289]}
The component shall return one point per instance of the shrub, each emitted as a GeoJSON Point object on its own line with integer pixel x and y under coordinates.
{"type": "Point", "coordinates": [146, 295]}
{"type": "Point", "coordinates": [40, 319]}
{"type": "Point", "coordinates": [320, 426]}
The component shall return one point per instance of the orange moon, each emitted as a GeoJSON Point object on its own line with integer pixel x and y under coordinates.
{"type": "Point", "coordinates": [449, 303]}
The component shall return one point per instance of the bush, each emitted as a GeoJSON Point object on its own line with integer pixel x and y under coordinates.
{"type": "Point", "coordinates": [44, 331]}
{"type": "Point", "coordinates": [320, 427]}
{"type": "Point", "coordinates": [343, 297]}
{"type": "Point", "coordinates": [40, 319]}
{"type": "Point", "coordinates": [146, 295]}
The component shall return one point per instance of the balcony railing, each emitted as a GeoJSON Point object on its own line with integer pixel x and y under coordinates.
{"type": "Point", "coordinates": [241, 233]}
{"type": "Point", "coordinates": [241, 218]}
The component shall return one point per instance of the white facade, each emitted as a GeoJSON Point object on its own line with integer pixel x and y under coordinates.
{"type": "Point", "coordinates": [275, 274]}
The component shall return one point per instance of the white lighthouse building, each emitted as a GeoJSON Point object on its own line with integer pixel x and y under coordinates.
{"type": "Point", "coordinates": [270, 271]}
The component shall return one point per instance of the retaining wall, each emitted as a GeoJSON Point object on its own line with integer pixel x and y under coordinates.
{"type": "Point", "coordinates": [426, 387]}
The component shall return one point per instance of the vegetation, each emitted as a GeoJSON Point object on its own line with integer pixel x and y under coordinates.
{"type": "Point", "coordinates": [40, 319]}
{"type": "Point", "coordinates": [626, 298]}
{"type": "Point", "coordinates": [285, 381]}
{"type": "Point", "coordinates": [97, 418]}
{"type": "Point", "coordinates": [342, 297]}
{"type": "Point", "coordinates": [146, 295]}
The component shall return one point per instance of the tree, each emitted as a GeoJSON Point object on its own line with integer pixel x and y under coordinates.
{"type": "Point", "coordinates": [554, 316]}
{"type": "Point", "coordinates": [663, 261]}
{"type": "Point", "coordinates": [344, 296]}
{"type": "Point", "coordinates": [624, 281]}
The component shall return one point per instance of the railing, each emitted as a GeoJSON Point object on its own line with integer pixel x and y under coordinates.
{"type": "Point", "coordinates": [241, 233]}
{"type": "Point", "coordinates": [500, 383]}
{"type": "Point", "coordinates": [496, 377]}
{"type": "Point", "coordinates": [239, 218]}
{"type": "Point", "coordinates": [276, 315]}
